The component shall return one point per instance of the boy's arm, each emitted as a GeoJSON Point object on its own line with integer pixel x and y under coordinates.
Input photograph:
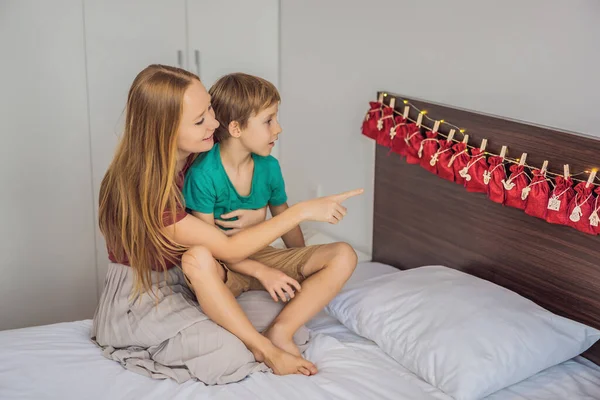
{"type": "Point", "coordinates": [293, 238]}
{"type": "Point", "coordinates": [275, 282]}
{"type": "Point", "coordinates": [248, 267]}
{"type": "Point", "coordinates": [278, 204]}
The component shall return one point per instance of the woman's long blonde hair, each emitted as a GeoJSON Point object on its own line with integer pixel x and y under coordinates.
{"type": "Point", "coordinates": [140, 188]}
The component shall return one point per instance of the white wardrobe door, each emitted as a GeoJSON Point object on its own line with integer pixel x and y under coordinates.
{"type": "Point", "coordinates": [233, 36]}
{"type": "Point", "coordinates": [122, 38]}
{"type": "Point", "coordinates": [47, 258]}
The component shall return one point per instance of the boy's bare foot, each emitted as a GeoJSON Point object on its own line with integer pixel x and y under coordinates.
{"type": "Point", "coordinates": [282, 340]}
{"type": "Point", "coordinates": [284, 363]}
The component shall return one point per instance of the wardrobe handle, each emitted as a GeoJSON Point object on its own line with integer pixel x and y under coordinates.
{"type": "Point", "coordinates": [197, 57]}
{"type": "Point", "coordinates": [180, 58]}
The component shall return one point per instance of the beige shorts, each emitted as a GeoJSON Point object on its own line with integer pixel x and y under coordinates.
{"type": "Point", "coordinates": [290, 261]}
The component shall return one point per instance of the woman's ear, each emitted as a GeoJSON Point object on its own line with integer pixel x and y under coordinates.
{"type": "Point", "coordinates": [234, 129]}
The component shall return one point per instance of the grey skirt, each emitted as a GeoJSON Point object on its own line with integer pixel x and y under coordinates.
{"type": "Point", "coordinates": [166, 335]}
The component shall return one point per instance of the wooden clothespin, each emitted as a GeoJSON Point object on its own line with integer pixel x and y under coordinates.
{"type": "Point", "coordinates": [503, 151]}
{"type": "Point", "coordinates": [544, 167]}
{"type": "Point", "coordinates": [380, 98]}
{"type": "Point", "coordinates": [483, 145]}
{"type": "Point", "coordinates": [436, 127]}
{"type": "Point", "coordinates": [566, 172]}
{"type": "Point", "coordinates": [466, 139]}
{"type": "Point", "coordinates": [420, 119]}
{"type": "Point", "coordinates": [523, 159]}
{"type": "Point", "coordinates": [406, 112]}
{"type": "Point", "coordinates": [591, 178]}
{"type": "Point", "coordinates": [393, 102]}
{"type": "Point", "coordinates": [451, 134]}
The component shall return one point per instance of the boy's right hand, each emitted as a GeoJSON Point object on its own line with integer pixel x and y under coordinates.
{"type": "Point", "coordinates": [328, 208]}
{"type": "Point", "coordinates": [277, 283]}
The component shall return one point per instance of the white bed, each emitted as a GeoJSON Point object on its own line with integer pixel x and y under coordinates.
{"type": "Point", "coordinates": [59, 362]}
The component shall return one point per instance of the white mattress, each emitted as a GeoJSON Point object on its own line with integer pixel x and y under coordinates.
{"type": "Point", "coordinates": [59, 362]}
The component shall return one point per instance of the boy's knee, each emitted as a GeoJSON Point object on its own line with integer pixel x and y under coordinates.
{"type": "Point", "coordinates": [346, 255]}
{"type": "Point", "coordinates": [198, 260]}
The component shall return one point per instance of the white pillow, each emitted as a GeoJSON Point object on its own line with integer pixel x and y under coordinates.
{"type": "Point", "coordinates": [466, 336]}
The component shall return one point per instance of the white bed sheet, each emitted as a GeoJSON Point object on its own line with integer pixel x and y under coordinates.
{"type": "Point", "coordinates": [59, 362]}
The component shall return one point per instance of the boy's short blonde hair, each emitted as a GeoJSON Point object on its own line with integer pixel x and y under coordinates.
{"type": "Point", "coordinates": [237, 97]}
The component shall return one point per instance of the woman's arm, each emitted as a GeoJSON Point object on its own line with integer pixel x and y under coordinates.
{"type": "Point", "coordinates": [191, 231]}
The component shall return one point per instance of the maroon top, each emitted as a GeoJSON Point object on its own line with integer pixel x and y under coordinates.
{"type": "Point", "coordinates": [180, 214]}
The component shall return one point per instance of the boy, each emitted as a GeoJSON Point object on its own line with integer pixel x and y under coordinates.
{"type": "Point", "coordinates": [239, 173]}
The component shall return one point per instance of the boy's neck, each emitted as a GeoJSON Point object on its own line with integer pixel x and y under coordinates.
{"type": "Point", "coordinates": [234, 154]}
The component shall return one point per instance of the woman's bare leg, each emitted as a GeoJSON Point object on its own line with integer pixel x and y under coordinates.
{"type": "Point", "coordinates": [327, 270]}
{"type": "Point", "coordinates": [207, 277]}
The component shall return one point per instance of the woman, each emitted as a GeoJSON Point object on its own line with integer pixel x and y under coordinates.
{"type": "Point", "coordinates": [145, 303]}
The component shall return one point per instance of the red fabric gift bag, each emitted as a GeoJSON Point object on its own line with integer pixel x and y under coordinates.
{"type": "Point", "coordinates": [441, 158]}
{"type": "Point", "coordinates": [459, 160]}
{"type": "Point", "coordinates": [413, 139]}
{"type": "Point", "coordinates": [429, 146]}
{"type": "Point", "coordinates": [514, 185]}
{"type": "Point", "coordinates": [369, 125]}
{"type": "Point", "coordinates": [536, 195]}
{"type": "Point", "coordinates": [558, 203]}
{"type": "Point", "coordinates": [595, 215]}
{"type": "Point", "coordinates": [580, 208]}
{"type": "Point", "coordinates": [396, 135]}
{"type": "Point", "coordinates": [494, 179]}
{"type": "Point", "coordinates": [399, 142]}
{"type": "Point", "coordinates": [386, 122]}
{"type": "Point", "coordinates": [473, 172]}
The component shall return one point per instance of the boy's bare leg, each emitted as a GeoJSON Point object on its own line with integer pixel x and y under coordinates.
{"type": "Point", "coordinates": [207, 278]}
{"type": "Point", "coordinates": [328, 269]}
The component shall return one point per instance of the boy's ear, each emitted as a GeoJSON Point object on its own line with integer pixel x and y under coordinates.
{"type": "Point", "coordinates": [234, 129]}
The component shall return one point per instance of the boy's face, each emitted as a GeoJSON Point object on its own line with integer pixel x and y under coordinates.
{"type": "Point", "coordinates": [262, 131]}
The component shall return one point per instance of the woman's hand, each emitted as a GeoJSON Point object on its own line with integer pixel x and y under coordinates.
{"type": "Point", "coordinates": [246, 219]}
{"type": "Point", "coordinates": [277, 283]}
{"type": "Point", "coordinates": [327, 209]}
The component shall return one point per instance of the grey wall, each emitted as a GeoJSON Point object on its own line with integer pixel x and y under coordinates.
{"type": "Point", "coordinates": [535, 61]}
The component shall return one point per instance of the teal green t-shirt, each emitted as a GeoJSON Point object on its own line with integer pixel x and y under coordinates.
{"type": "Point", "coordinates": [207, 188]}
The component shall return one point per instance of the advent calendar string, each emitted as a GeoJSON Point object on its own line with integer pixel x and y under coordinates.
{"type": "Point", "coordinates": [462, 132]}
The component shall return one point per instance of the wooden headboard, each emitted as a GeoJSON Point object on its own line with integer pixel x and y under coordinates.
{"type": "Point", "coordinates": [421, 219]}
